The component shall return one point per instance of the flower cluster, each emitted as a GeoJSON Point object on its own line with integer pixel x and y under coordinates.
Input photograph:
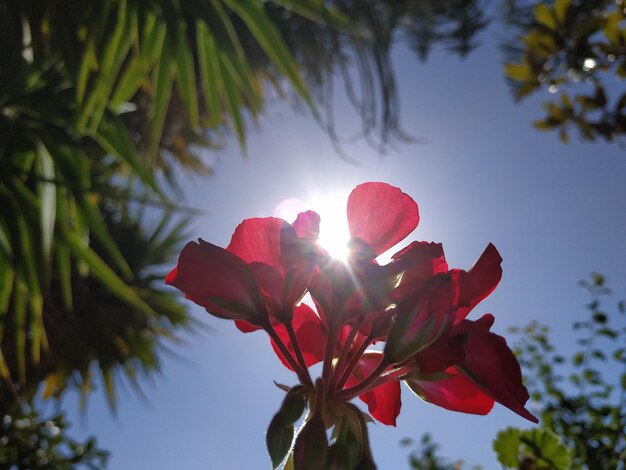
{"type": "Point", "coordinates": [415, 306]}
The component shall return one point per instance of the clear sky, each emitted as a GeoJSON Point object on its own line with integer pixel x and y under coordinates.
{"type": "Point", "coordinates": [555, 212]}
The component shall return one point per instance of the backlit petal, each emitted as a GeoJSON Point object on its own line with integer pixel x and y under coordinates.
{"type": "Point", "coordinates": [218, 281]}
{"type": "Point", "coordinates": [383, 402]}
{"type": "Point", "coordinates": [493, 367]}
{"type": "Point", "coordinates": [310, 333]}
{"type": "Point", "coordinates": [307, 225]}
{"type": "Point", "coordinates": [479, 281]}
{"type": "Point", "coordinates": [381, 215]}
{"type": "Point", "coordinates": [456, 393]}
{"type": "Point", "coordinates": [259, 240]}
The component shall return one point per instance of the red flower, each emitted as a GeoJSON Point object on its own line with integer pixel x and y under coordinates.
{"type": "Point", "coordinates": [415, 304]}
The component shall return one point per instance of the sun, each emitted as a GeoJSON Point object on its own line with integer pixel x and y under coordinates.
{"type": "Point", "coordinates": [334, 231]}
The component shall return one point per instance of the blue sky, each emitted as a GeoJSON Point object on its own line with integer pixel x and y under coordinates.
{"type": "Point", "coordinates": [555, 212]}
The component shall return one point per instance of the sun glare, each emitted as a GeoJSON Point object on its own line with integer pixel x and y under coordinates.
{"type": "Point", "coordinates": [334, 232]}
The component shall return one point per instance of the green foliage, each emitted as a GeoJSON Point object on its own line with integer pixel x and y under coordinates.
{"type": "Point", "coordinates": [28, 440]}
{"type": "Point", "coordinates": [538, 449]}
{"type": "Point", "coordinates": [572, 45]}
{"type": "Point", "coordinates": [582, 400]}
{"type": "Point", "coordinates": [105, 329]}
{"type": "Point", "coordinates": [355, 44]}
{"type": "Point", "coordinates": [425, 456]}
{"type": "Point", "coordinates": [297, 435]}
{"type": "Point", "coordinates": [95, 100]}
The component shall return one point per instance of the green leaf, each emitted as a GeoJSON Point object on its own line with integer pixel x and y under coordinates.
{"type": "Point", "coordinates": [30, 267]}
{"type": "Point", "coordinates": [20, 293]}
{"type": "Point", "coordinates": [162, 81]}
{"type": "Point", "coordinates": [548, 448]}
{"type": "Point", "coordinates": [578, 358]}
{"type": "Point", "coordinates": [317, 11]}
{"type": "Point", "coordinates": [540, 43]}
{"type": "Point", "coordinates": [233, 106]}
{"type": "Point", "coordinates": [241, 74]}
{"type": "Point", "coordinates": [608, 332]}
{"type": "Point", "coordinates": [90, 213]}
{"type": "Point", "coordinates": [520, 72]}
{"type": "Point", "coordinates": [6, 286]}
{"type": "Point", "coordinates": [506, 445]}
{"type": "Point", "coordinates": [186, 75]}
{"type": "Point", "coordinates": [279, 438]}
{"type": "Point", "coordinates": [560, 10]}
{"type": "Point", "coordinates": [210, 74]}
{"type": "Point", "coordinates": [526, 89]}
{"type": "Point", "coordinates": [293, 406]}
{"type": "Point", "coordinates": [109, 387]}
{"type": "Point", "coordinates": [4, 368]}
{"type": "Point", "coordinates": [104, 273]}
{"type": "Point", "coordinates": [545, 125]}
{"type": "Point", "coordinates": [64, 271]}
{"type": "Point", "coordinates": [47, 195]}
{"type": "Point", "coordinates": [600, 317]}
{"type": "Point", "coordinates": [545, 16]}
{"type": "Point", "coordinates": [269, 38]}
{"type": "Point", "coordinates": [115, 51]}
{"type": "Point", "coordinates": [113, 137]}
{"type": "Point", "coordinates": [136, 71]}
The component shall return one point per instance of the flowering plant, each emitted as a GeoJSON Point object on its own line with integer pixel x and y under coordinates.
{"type": "Point", "coordinates": [415, 305]}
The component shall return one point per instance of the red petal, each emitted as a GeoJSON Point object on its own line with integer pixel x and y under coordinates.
{"type": "Point", "coordinates": [218, 281]}
{"type": "Point", "coordinates": [310, 333]}
{"type": "Point", "coordinates": [331, 287]}
{"type": "Point", "coordinates": [307, 225]}
{"type": "Point", "coordinates": [456, 393]}
{"type": "Point", "coordinates": [381, 215]}
{"type": "Point", "coordinates": [272, 246]}
{"type": "Point", "coordinates": [440, 355]}
{"type": "Point", "coordinates": [421, 318]}
{"type": "Point", "coordinates": [246, 327]}
{"type": "Point", "coordinates": [270, 285]}
{"type": "Point", "coordinates": [259, 240]}
{"type": "Point", "coordinates": [479, 281]}
{"type": "Point", "coordinates": [422, 258]}
{"type": "Point", "coordinates": [491, 364]}
{"type": "Point", "coordinates": [420, 261]}
{"type": "Point", "coordinates": [383, 402]}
